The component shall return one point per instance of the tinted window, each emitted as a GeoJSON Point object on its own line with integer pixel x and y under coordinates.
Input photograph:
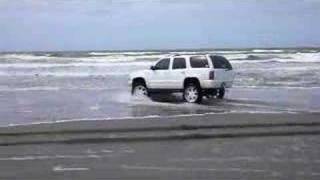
{"type": "Point", "coordinates": [163, 64]}
{"type": "Point", "coordinates": [179, 63]}
{"type": "Point", "coordinates": [199, 62]}
{"type": "Point", "coordinates": [220, 62]}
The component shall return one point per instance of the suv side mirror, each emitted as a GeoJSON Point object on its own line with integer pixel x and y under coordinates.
{"type": "Point", "coordinates": [153, 68]}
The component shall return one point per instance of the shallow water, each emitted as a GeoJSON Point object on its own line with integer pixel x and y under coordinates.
{"type": "Point", "coordinates": [51, 86]}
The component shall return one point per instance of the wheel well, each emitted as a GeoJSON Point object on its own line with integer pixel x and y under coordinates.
{"type": "Point", "coordinates": [223, 85]}
{"type": "Point", "coordinates": [191, 80]}
{"type": "Point", "coordinates": [138, 80]}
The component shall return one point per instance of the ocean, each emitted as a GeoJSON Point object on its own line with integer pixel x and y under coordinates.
{"type": "Point", "coordinates": [82, 85]}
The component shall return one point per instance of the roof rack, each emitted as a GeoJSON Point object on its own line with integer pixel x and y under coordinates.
{"type": "Point", "coordinates": [172, 55]}
{"type": "Point", "coordinates": [175, 54]}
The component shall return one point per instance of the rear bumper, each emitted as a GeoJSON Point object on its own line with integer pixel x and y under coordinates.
{"type": "Point", "coordinates": [212, 84]}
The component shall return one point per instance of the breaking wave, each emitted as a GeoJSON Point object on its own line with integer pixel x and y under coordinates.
{"type": "Point", "coordinates": [267, 51]}
{"type": "Point", "coordinates": [123, 53]}
{"type": "Point", "coordinates": [67, 59]}
{"type": "Point", "coordinates": [255, 54]}
{"type": "Point", "coordinates": [284, 58]}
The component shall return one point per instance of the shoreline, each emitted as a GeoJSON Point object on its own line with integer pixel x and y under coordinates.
{"type": "Point", "coordinates": [153, 117]}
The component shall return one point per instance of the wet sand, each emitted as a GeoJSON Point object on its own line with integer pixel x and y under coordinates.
{"type": "Point", "coordinates": [220, 146]}
{"type": "Point", "coordinates": [32, 106]}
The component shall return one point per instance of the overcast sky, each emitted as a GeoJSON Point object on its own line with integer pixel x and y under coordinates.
{"type": "Point", "coordinates": [157, 24]}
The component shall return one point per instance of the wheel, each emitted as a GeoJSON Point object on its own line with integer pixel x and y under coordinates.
{"type": "Point", "coordinates": [139, 89]}
{"type": "Point", "coordinates": [221, 92]}
{"type": "Point", "coordinates": [192, 93]}
{"type": "Point", "coordinates": [210, 94]}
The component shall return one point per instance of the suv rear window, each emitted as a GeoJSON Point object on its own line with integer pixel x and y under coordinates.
{"type": "Point", "coordinates": [163, 64]}
{"type": "Point", "coordinates": [179, 63]}
{"type": "Point", "coordinates": [220, 62]}
{"type": "Point", "coordinates": [199, 62]}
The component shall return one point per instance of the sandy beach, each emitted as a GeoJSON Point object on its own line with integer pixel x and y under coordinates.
{"type": "Point", "coordinates": [226, 146]}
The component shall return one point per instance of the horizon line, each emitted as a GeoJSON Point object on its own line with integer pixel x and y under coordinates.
{"type": "Point", "coordinates": [164, 49]}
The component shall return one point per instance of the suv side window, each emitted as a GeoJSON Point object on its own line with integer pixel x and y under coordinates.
{"type": "Point", "coordinates": [179, 63]}
{"type": "Point", "coordinates": [199, 62]}
{"type": "Point", "coordinates": [163, 64]}
{"type": "Point", "coordinates": [220, 62]}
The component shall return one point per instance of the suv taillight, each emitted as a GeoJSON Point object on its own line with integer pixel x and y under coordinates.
{"type": "Point", "coordinates": [211, 75]}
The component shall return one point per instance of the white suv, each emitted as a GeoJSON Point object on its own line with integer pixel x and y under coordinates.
{"type": "Point", "coordinates": [194, 75]}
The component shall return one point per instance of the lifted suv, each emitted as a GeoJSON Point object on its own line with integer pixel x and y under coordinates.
{"type": "Point", "coordinates": [194, 75]}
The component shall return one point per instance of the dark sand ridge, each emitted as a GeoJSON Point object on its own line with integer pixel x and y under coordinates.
{"type": "Point", "coordinates": [163, 128]}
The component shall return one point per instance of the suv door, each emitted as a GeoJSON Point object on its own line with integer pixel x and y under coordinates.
{"type": "Point", "coordinates": [159, 76]}
{"type": "Point", "coordinates": [178, 73]}
{"type": "Point", "coordinates": [223, 68]}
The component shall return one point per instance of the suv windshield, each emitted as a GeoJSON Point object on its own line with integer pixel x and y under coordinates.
{"type": "Point", "coordinates": [199, 62]}
{"type": "Point", "coordinates": [163, 64]}
{"type": "Point", "coordinates": [220, 62]}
